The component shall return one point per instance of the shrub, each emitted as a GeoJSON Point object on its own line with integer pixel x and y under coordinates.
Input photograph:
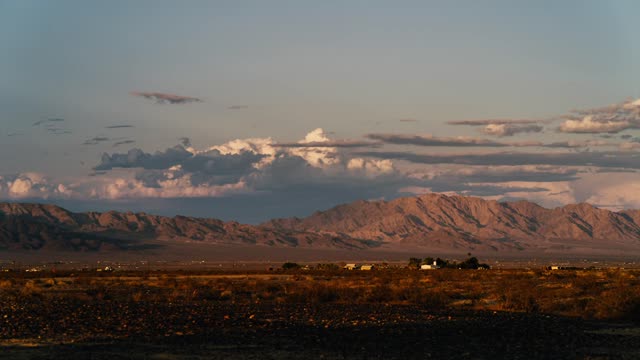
{"type": "Point", "coordinates": [290, 266]}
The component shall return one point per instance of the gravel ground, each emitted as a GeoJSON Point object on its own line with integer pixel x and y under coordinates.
{"type": "Point", "coordinates": [75, 329]}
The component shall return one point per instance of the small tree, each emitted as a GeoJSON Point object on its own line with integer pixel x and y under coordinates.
{"type": "Point", "coordinates": [414, 262]}
{"type": "Point", "coordinates": [441, 263]}
{"type": "Point", "coordinates": [470, 263]}
{"type": "Point", "coordinates": [328, 267]}
{"type": "Point", "coordinates": [290, 266]}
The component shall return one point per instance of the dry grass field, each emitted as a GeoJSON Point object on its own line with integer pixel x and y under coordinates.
{"type": "Point", "coordinates": [386, 313]}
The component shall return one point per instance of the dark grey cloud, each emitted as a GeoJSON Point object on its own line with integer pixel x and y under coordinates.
{"type": "Point", "coordinates": [46, 121]}
{"type": "Point", "coordinates": [185, 141]}
{"type": "Point", "coordinates": [238, 107]}
{"type": "Point", "coordinates": [504, 127]}
{"type": "Point", "coordinates": [408, 120]}
{"type": "Point", "coordinates": [164, 98]}
{"type": "Point", "coordinates": [625, 136]}
{"type": "Point", "coordinates": [119, 126]}
{"type": "Point", "coordinates": [96, 140]}
{"type": "Point", "coordinates": [399, 139]}
{"type": "Point", "coordinates": [135, 158]}
{"type": "Point", "coordinates": [56, 131]}
{"type": "Point", "coordinates": [51, 126]}
{"type": "Point", "coordinates": [123, 142]}
{"type": "Point", "coordinates": [613, 170]}
{"type": "Point", "coordinates": [591, 158]}
{"type": "Point", "coordinates": [211, 167]}
{"type": "Point", "coordinates": [571, 144]}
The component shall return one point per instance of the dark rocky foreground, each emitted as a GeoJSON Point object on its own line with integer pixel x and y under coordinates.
{"type": "Point", "coordinates": [105, 329]}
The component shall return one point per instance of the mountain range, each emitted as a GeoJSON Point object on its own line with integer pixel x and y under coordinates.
{"type": "Point", "coordinates": [432, 221]}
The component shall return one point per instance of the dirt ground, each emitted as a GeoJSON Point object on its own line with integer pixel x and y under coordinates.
{"type": "Point", "coordinates": [333, 332]}
{"type": "Point", "coordinates": [145, 317]}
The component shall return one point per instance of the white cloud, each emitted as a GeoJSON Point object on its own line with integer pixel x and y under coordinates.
{"type": "Point", "coordinates": [588, 124]}
{"type": "Point", "coordinates": [238, 166]}
{"type": "Point", "coordinates": [259, 146]}
{"type": "Point", "coordinates": [609, 119]}
{"type": "Point", "coordinates": [316, 156]}
{"type": "Point", "coordinates": [31, 184]}
{"type": "Point", "coordinates": [610, 190]}
{"type": "Point", "coordinates": [510, 129]}
{"type": "Point", "coordinates": [554, 193]}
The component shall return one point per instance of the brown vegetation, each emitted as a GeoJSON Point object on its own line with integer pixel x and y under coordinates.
{"type": "Point", "coordinates": [335, 314]}
{"type": "Point", "coordinates": [590, 294]}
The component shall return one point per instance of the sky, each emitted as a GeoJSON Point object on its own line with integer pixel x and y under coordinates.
{"type": "Point", "coordinates": [250, 110]}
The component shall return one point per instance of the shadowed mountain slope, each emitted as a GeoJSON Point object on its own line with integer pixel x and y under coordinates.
{"type": "Point", "coordinates": [38, 226]}
{"type": "Point", "coordinates": [456, 222]}
{"type": "Point", "coordinates": [433, 221]}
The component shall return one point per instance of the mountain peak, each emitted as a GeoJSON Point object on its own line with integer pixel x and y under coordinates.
{"type": "Point", "coordinates": [441, 222]}
{"type": "Point", "coordinates": [455, 221]}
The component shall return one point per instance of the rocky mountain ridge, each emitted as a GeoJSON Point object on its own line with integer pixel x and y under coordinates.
{"type": "Point", "coordinates": [435, 221]}
{"type": "Point", "coordinates": [456, 222]}
{"type": "Point", "coordinates": [36, 226]}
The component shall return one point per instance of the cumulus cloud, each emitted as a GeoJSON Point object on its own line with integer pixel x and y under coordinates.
{"type": "Point", "coordinates": [510, 129]}
{"type": "Point", "coordinates": [318, 171]}
{"type": "Point", "coordinates": [620, 191]}
{"type": "Point", "coordinates": [592, 125]}
{"type": "Point", "coordinates": [609, 119]}
{"type": "Point", "coordinates": [245, 165]}
{"type": "Point", "coordinates": [166, 187]}
{"type": "Point", "coordinates": [317, 156]}
{"type": "Point", "coordinates": [29, 185]}
{"type": "Point", "coordinates": [164, 98]}
{"type": "Point", "coordinates": [316, 148]}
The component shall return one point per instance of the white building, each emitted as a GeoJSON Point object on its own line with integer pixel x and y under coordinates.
{"type": "Point", "coordinates": [430, 266]}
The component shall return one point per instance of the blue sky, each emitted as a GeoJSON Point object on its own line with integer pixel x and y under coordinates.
{"type": "Point", "coordinates": [279, 70]}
